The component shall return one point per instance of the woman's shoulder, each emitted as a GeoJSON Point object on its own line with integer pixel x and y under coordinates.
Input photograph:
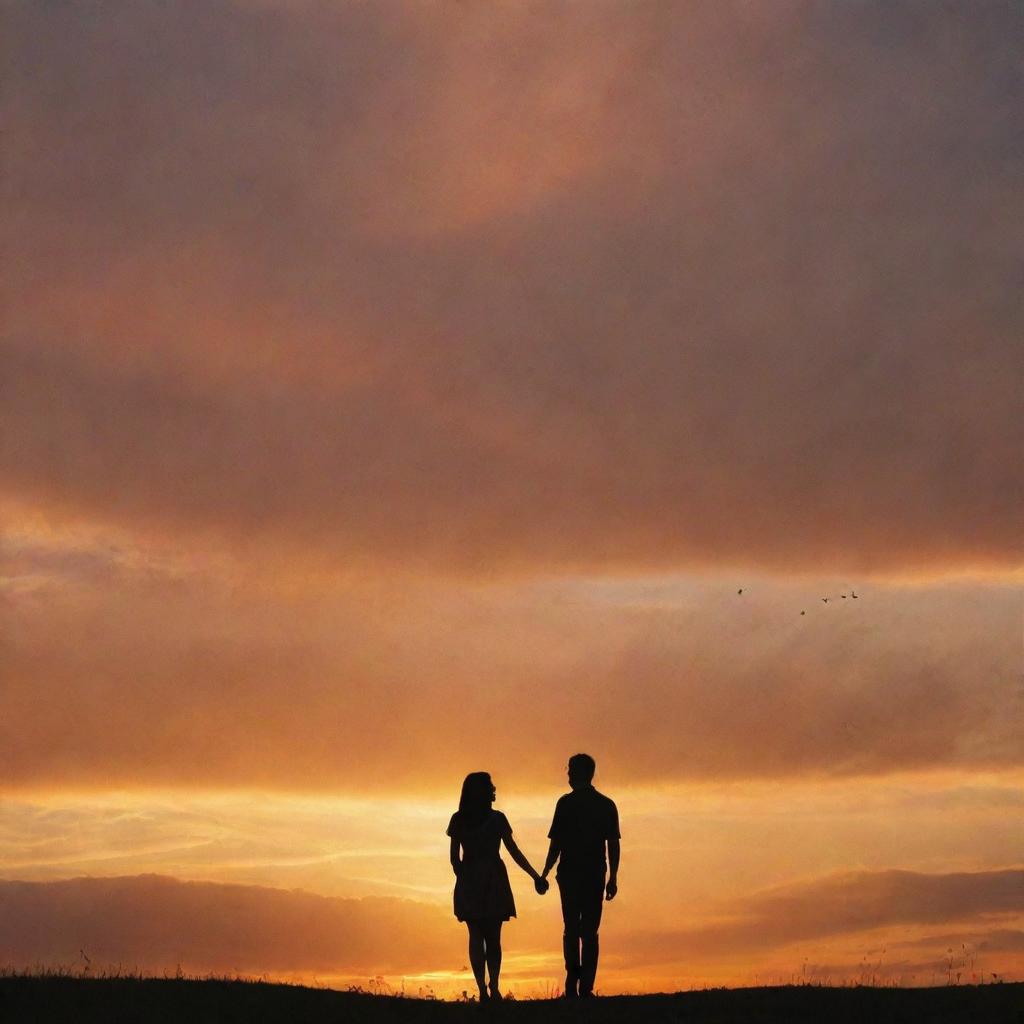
{"type": "Point", "coordinates": [501, 822]}
{"type": "Point", "coordinates": [453, 825]}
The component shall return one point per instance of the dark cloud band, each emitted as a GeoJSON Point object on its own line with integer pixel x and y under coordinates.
{"type": "Point", "coordinates": [455, 293]}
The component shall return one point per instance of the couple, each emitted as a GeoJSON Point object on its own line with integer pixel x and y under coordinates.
{"type": "Point", "coordinates": [584, 822]}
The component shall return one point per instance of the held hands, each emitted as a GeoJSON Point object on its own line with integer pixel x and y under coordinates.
{"type": "Point", "coordinates": [541, 885]}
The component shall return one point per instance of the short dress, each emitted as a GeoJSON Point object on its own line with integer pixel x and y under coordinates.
{"type": "Point", "coordinates": [482, 891]}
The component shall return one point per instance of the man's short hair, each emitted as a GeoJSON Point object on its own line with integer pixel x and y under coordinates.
{"type": "Point", "coordinates": [582, 765]}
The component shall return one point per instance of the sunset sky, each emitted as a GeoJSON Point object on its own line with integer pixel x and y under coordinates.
{"type": "Point", "coordinates": [391, 390]}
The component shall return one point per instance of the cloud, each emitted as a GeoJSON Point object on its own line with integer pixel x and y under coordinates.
{"type": "Point", "coordinates": [164, 678]}
{"type": "Point", "coordinates": [995, 940]}
{"type": "Point", "coordinates": [155, 923]}
{"type": "Point", "coordinates": [821, 909]}
{"type": "Point", "coordinates": [659, 287]}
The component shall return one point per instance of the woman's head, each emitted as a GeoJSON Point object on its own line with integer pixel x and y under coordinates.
{"type": "Point", "coordinates": [477, 796]}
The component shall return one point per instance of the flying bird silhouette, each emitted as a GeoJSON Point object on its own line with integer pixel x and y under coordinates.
{"type": "Point", "coordinates": [740, 591]}
{"type": "Point", "coordinates": [853, 595]}
{"type": "Point", "coordinates": [825, 599]}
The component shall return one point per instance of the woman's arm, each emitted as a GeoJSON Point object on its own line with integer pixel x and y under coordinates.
{"type": "Point", "coordinates": [517, 855]}
{"type": "Point", "coordinates": [453, 856]}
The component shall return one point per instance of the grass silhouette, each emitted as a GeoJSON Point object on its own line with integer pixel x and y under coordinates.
{"type": "Point", "coordinates": [59, 995]}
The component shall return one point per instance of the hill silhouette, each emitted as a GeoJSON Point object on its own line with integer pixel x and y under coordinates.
{"type": "Point", "coordinates": [32, 999]}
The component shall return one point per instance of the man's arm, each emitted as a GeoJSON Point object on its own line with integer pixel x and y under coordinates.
{"type": "Point", "coordinates": [554, 851]}
{"type": "Point", "coordinates": [613, 869]}
{"type": "Point", "coordinates": [557, 829]}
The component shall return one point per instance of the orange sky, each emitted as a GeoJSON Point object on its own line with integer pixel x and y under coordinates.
{"type": "Point", "coordinates": [390, 394]}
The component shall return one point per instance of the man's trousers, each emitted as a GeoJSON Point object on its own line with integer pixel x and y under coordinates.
{"type": "Point", "coordinates": [582, 901]}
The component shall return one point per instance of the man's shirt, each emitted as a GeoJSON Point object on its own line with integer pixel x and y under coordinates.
{"type": "Point", "coordinates": [584, 821]}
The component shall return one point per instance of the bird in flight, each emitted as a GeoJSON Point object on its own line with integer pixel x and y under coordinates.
{"type": "Point", "coordinates": [853, 595]}
{"type": "Point", "coordinates": [803, 613]}
{"type": "Point", "coordinates": [825, 599]}
{"type": "Point", "coordinates": [740, 591]}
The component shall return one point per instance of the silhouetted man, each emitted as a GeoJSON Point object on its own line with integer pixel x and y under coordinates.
{"type": "Point", "coordinates": [584, 822]}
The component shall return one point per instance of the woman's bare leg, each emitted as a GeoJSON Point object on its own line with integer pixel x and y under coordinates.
{"type": "Point", "coordinates": [477, 956]}
{"type": "Point", "coordinates": [492, 944]}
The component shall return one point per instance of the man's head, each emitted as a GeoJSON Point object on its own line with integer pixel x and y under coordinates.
{"type": "Point", "coordinates": [581, 770]}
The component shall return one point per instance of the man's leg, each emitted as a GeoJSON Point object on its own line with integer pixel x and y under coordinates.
{"type": "Point", "coordinates": [591, 903]}
{"type": "Point", "coordinates": [567, 892]}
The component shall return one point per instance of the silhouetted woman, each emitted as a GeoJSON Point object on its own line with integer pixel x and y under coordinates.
{"type": "Point", "coordinates": [483, 897]}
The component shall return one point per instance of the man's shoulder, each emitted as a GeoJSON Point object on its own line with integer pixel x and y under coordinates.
{"type": "Point", "coordinates": [606, 801]}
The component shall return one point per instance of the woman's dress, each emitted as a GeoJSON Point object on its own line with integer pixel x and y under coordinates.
{"type": "Point", "coordinates": [482, 891]}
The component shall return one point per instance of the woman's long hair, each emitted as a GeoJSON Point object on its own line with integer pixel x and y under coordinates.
{"type": "Point", "coordinates": [477, 796]}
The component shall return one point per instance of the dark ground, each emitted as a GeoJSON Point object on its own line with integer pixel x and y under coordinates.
{"type": "Point", "coordinates": [54, 1000]}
